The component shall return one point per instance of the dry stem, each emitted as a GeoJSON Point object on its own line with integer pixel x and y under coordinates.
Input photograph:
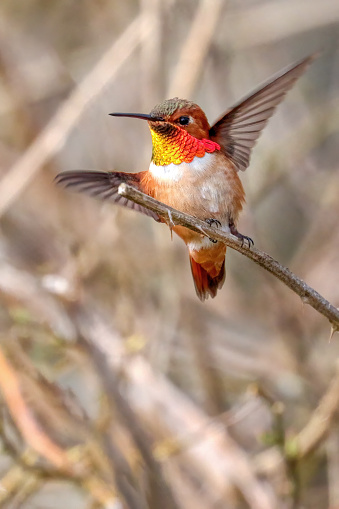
{"type": "Point", "coordinates": [320, 422]}
{"type": "Point", "coordinates": [307, 294]}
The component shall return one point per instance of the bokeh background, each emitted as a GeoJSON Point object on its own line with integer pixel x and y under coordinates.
{"type": "Point", "coordinates": [190, 384]}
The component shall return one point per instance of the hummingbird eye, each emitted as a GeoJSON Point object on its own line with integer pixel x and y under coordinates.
{"type": "Point", "coordinates": [184, 120]}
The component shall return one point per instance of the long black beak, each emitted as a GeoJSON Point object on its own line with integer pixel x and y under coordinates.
{"type": "Point", "coordinates": [138, 115]}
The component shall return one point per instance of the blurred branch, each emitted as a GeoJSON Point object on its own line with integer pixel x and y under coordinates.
{"type": "Point", "coordinates": [23, 417]}
{"type": "Point", "coordinates": [195, 48]}
{"type": "Point", "coordinates": [160, 489]}
{"type": "Point", "coordinates": [214, 458]}
{"type": "Point", "coordinates": [307, 294]}
{"type": "Point", "coordinates": [319, 424]}
{"type": "Point", "coordinates": [52, 138]}
{"type": "Point", "coordinates": [24, 288]}
{"type": "Point", "coordinates": [17, 485]}
{"type": "Point", "coordinates": [86, 464]}
{"type": "Point", "coordinates": [290, 451]}
{"type": "Point", "coordinates": [332, 453]}
{"type": "Point", "coordinates": [150, 54]}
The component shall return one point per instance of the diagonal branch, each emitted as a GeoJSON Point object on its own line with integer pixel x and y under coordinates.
{"type": "Point", "coordinates": [174, 217]}
{"type": "Point", "coordinates": [56, 132]}
{"type": "Point", "coordinates": [319, 424]}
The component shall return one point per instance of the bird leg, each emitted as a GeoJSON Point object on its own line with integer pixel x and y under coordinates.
{"type": "Point", "coordinates": [213, 222]}
{"type": "Point", "coordinates": [240, 236]}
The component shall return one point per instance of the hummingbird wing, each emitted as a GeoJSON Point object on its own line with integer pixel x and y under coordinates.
{"type": "Point", "coordinates": [104, 185]}
{"type": "Point", "coordinates": [239, 128]}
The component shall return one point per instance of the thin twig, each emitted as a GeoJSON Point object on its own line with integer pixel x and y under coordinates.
{"type": "Point", "coordinates": [305, 292]}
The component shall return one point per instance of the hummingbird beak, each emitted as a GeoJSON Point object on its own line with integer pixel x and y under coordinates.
{"type": "Point", "coordinates": [143, 116]}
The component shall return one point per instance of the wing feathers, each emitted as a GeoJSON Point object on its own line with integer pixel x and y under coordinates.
{"type": "Point", "coordinates": [239, 128]}
{"type": "Point", "coordinates": [103, 185]}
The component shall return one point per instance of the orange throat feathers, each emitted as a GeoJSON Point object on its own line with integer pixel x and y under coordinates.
{"type": "Point", "coordinates": [172, 144]}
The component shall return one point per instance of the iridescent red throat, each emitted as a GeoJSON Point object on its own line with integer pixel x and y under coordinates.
{"type": "Point", "coordinates": [175, 145]}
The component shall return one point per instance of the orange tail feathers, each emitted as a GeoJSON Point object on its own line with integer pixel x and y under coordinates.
{"type": "Point", "coordinates": [205, 284]}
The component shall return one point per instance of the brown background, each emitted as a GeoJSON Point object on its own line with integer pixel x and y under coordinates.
{"type": "Point", "coordinates": [59, 251]}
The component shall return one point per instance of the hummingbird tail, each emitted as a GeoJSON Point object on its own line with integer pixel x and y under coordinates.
{"type": "Point", "coordinates": [205, 284]}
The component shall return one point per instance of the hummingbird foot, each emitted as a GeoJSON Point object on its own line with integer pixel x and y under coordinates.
{"type": "Point", "coordinates": [240, 236]}
{"type": "Point", "coordinates": [213, 222]}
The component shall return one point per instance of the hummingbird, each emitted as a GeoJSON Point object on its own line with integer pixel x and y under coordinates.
{"type": "Point", "coordinates": [195, 169]}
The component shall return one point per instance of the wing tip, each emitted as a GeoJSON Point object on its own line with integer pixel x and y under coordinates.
{"type": "Point", "coordinates": [242, 119]}
{"type": "Point", "coordinates": [102, 185]}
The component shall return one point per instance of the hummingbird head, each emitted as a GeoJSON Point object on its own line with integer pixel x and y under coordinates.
{"type": "Point", "coordinates": [182, 114]}
{"type": "Point", "coordinates": [180, 131]}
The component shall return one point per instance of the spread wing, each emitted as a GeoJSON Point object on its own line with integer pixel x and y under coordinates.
{"type": "Point", "coordinates": [239, 128]}
{"type": "Point", "coordinates": [104, 185]}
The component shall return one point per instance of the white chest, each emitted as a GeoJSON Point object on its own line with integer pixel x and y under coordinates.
{"type": "Point", "coordinates": [175, 172]}
{"type": "Point", "coordinates": [201, 188]}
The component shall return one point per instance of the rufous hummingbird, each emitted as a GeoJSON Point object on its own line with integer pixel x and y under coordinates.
{"type": "Point", "coordinates": [194, 168]}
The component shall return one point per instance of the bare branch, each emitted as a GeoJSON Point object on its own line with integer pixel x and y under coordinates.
{"type": "Point", "coordinates": [195, 49]}
{"type": "Point", "coordinates": [213, 457]}
{"type": "Point", "coordinates": [24, 419]}
{"type": "Point", "coordinates": [320, 423]}
{"type": "Point", "coordinates": [318, 427]}
{"type": "Point", "coordinates": [307, 294]}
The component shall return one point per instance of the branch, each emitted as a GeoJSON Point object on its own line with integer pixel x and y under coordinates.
{"type": "Point", "coordinates": [319, 424]}
{"type": "Point", "coordinates": [195, 48]}
{"type": "Point", "coordinates": [211, 459]}
{"type": "Point", "coordinates": [269, 463]}
{"type": "Point", "coordinates": [297, 285]}
{"type": "Point", "coordinates": [24, 419]}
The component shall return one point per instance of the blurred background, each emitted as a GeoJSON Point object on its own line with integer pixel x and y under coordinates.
{"type": "Point", "coordinates": [146, 396]}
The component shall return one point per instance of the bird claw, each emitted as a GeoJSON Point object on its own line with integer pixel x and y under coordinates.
{"type": "Point", "coordinates": [245, 238]}
{"type": "Point", "coordinates": [240, 236]}
{"type": "Point", "coordinates": [213, 222]}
